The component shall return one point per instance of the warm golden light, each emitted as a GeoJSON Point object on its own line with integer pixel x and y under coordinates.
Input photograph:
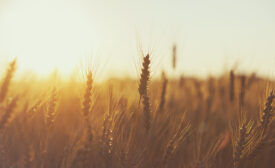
{"type": "Point", "coordinates": [45, 36]}
{"type": "Point", "coordinates": [59, 34]}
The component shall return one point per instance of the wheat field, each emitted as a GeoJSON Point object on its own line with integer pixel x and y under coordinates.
{"type": "Point", "coordinates": [225, 121]}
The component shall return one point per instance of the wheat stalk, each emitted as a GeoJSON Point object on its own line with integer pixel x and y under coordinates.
{"type": "Point", "coordinates": [232, 86]}
{"type": "Point", "coordinates": [143, 91]}
{"type": "Point", "coordinates": [87, 104]}
{"type": "Point", "coordinates": [163, 93]}
{"type": "Point", "coordinates": [7, 79]}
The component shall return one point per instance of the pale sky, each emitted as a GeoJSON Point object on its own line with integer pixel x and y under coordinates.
{"type": "Point", "coordinates": [49, 34]}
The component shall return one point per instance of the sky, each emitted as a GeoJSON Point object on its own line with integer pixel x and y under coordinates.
{"type": "Point", "coordinates": [109, 35]}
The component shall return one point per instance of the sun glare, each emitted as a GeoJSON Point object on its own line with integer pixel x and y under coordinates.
{"type": "Point", "coordinates": [44, 36]}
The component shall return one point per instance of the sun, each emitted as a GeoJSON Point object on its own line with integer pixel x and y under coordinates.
{"type": "Point", "coordinates": [47, 35]}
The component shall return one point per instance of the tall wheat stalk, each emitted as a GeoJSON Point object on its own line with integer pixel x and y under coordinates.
{"type": "Point", "coordinates": [6, 81]}
{"type": "Point", "coordinates": [87, 104]}
{"type": "Point", "coordinates": [163, 93]}
{"type": "Point", "coordinates": [143, 92]}
{"type": "Point", "coordinates": [232, 86]}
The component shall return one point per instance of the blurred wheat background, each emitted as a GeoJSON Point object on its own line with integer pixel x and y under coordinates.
{"type": "Point", "coordinates": [198, 93]}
